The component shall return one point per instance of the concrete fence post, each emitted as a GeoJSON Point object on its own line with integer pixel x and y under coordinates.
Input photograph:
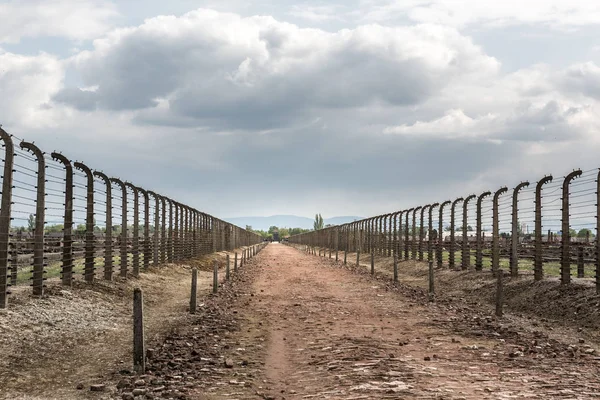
{"type": "Point", "coordinates": [67, 253]}
{"type": "Point", "coordinates": [38, 238]}
{"type": "Point", "coordinates": [108, 256]}
{"type": "Point", "coordinates": [5, 216]}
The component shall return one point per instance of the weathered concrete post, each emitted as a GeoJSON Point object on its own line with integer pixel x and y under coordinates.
{"type": "Point", "coordinates": [215, 277]}
{"type": "Point", "coordinates": [89, 224]}
{"type": "Point", "coordinates": [5, 215]}
{"type": "Point", "coordinates": [123, 269]}
{"type": "Point", "coordinates": [440, 247]}
{"type": "Point", "coordinates": [227, 277]}
{"type": "Point", "coordinates": [478, 232]}
{"type": "Point", "coordinates": [466, 253]}
{"type": "Point", "coordinates": [67, 254]}
{"type": "Point", "coordinates": [597, 233]}
{"type": "Point", "coordinates": [108, 256]}
{"type": "Point", "coordinates": [235, 261]}
{"type": "Point", "coordinates": [395, 267]}
{"type": "Point", "coordinates": [431, 282]}
{"type": "Point", "coordinates": [565, 259]}
{"type": "Point", "coordinates": [430, 234]}
{"type": "Point", "coordinates": [38, 244]}
{"type": "Point", "coordinates": [422, 231]}
{"type": "Point", "coordinates": [155, 239]}
{"type": "Point", "coordinates": [407, 232]}
{"type": "Point", "coordinates": [139, 347]}
{"type": "Point", "coordinates": [135, 245]}
{"type": "Point", "coordinates": [372, 262]}
{"type": "Point", "coordinates": [496, 231]}
{"type": "Point", "coordinates": [194, 293]}
{"type": "Point", "coordinates": [538, 264]}
{"type": "Point", "coordinates": [451, 262]}
{"type": "Point", "coordinates": [413, 246]}
{"type": "Point", "coordinates": [514, 251]}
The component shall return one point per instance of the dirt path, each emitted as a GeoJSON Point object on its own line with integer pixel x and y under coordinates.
{"type": "Point", "coordinates": [296, 326]}
{"type": "Point", "coordinates": [322, 331]}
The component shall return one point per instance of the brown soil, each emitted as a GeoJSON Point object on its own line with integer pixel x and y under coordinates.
{"type": "Point", "coordinates": [76, 337]}
{"type": "Point", "coordinates": [296, 326]}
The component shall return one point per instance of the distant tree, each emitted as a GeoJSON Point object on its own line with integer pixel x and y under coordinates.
{"type": "Point", "coordinates": [297, 231]}
{"type": "Point", "coordinates": [31, 223]}
{"type": "Point", "coordinates": [273, 229]}
{"type": "Point", "coordinates": [583, 233]}
{"type": "Point", "coordinates": [54, 228]}
{"type": "Point", "coordinates": [283, 232]}
{"type": "Point", "coordinates": [249, 228]}
{"type": "Point", "coordinates": [572, 233]}
{"type": "Point", "coordinates": [318, 224]}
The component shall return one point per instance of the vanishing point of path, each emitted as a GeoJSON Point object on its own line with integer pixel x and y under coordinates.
{"type": "Point", "coordinates": [309, 328]}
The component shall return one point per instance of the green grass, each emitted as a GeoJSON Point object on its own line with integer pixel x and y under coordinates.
{"type": "Point", "coordinates": [550, 268]}
{"type": "Point", "coordinates": [54, 268]}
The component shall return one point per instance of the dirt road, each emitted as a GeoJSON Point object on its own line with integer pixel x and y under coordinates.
{"type": "Point", "coordinates": [299, 326]}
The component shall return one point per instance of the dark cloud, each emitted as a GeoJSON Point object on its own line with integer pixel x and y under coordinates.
{"type": "Point", "coordinates": [229, 72]}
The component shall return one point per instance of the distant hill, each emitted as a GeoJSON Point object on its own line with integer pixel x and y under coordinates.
{"type": "Point", "coordinates": [287, 221]}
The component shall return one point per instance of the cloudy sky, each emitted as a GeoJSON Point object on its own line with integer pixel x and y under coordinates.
{"type": "Point", "coordinates": [345, 108]}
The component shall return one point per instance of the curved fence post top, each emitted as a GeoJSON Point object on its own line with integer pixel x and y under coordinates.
{"type": "Point", "coordinates": [521, 186]}
{"type": "Point", "coordinates": [102, 176]}
{"type": "Point", "coordinates": [455, 202]}
{"type": "Point", "coordinates": [142, 191]}
{"type": "Point", "coordinates": [575, 174]}
{"type": "Point", "coordinates": [499, 192]}
{"type": "Point", "coordinates": [60, 157]}
{"type": "Point", "coordinates": [543, 181]}
{"type": "Point", "coordinates": [32, 148]}
{"type": "Point", "coordinates": [82, 167]}
{"type": "Point", "coordinates": [118, 182]}
{"type": "Point", "coordinates": [483, 196]}
{"type": "Point", "coordinates": [7, 137]}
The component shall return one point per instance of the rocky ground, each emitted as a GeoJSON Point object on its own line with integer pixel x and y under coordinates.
{"type": "Point", "coordinates": [60, 346]}
{"type": "Point", "coordinates": [296, 326]}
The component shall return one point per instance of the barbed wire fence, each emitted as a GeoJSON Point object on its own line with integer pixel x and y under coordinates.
{"type": "Point", "coordinates": [545, 229]}
{"type": "Point", "coordinates": [63, 217]}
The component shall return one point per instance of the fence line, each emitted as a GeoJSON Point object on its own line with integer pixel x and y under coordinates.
{"type": "Point", "coordinates": [58, 200]}
{"type": "Point", "coordinates": [569, 210]}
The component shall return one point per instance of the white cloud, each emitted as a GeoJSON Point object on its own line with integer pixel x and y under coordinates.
{"type": "Point", "coordinates": [75, 20]}
{"type": "Point", "coordinates": [455, 124]}
{"type": "Point", "coordinates": [317, 13]}
{"type": "Point", "coordinates": [27, 83]}
{"type": "Point", "coordinates": [564, 14]}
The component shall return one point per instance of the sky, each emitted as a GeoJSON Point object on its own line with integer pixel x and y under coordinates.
{"type": "Point", "coordinates": [361, 107]}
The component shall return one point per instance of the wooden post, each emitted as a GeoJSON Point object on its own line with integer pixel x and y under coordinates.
{"type": "Point", "coordinates": [499, 293]}
{"type": "Point", "coordinates": [396, 267]}
{"type": "Point", "coordinates": [345, 256]}
{"type": "Point", "coordinates": [431, 282]}
{"type": "Point", "coordinates": [358, 258]}
{"type": "Point", "coordinates": [580, 263]}
{"type": "Point", "coordinates": [216, 277]}
{"type": "Point", "coordinates": [227, 268]}
{"type": "Point", "coordinates": [235, 263]}
{"type": "Point", "coordinates": [139, 352]}
{"type": "Point", "coordinates": [194, 290]}
{"type": "Point", "coordinates": [372, 262]}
